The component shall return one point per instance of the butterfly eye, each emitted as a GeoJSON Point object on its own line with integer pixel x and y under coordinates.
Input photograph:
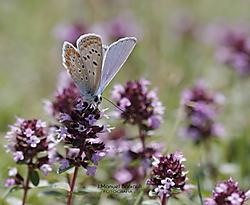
{"type": "Point", "coordinates": [98, 99]}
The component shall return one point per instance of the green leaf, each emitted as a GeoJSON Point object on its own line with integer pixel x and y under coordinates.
{"type": "Point", "coordinates": [34, 177]}
{"type": "Point", "coordinates": [24, 161]}
{"type": "Point", "coordinates": [51, 193]}
{"type": "Point", "coordinates": [14, 200]}
{"type": "Point", "coordinates": [69, 146]}
{"type": "Point", "coordinates": [61, 185]}
{"type": "Point", "coordinates": [13, 189]}
{"type": "Point", "coordinates": [151, 202]}
{"type": "Point", "coordinates": [91, 189]}
{"type": "Point", "coordinates": [79, 192]}
{"type": "Point", "coordinates": [59, 171]}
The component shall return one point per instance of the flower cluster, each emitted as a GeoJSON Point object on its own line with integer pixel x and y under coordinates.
{"type": "Point", "coordinates": [135, 153]}
{"type": "Point", "coordinates": [228, 192]}
{"type": "Point", "coordinates": [27, 139]}
{"type": "Point", "coordinates": [168, 176]}
{"type": "Point", "coordinates": [201, 106]}
{"type": "Point", "coordinates": [65, 100]}
{"type": "Point", "coordinates": [234, 49]}
{"type": "Point", "coordinates": [80, 132]}
{"type": "Point", "coordinates": [140, 106]}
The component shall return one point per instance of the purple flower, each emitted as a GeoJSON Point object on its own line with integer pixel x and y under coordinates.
{"type": "Point", "coordinates": [168, 176]}
{"type": "Point", "coordinates": [65, 117]}
{"type": "Point", "coordinates": [18, 156]}
{"type": "Point", "coordinates": [141, 107]}
{"type": "Point", "coordinates": [91, 119]}
{"type": "Point", "coordinates": [9, 182]}
{"type": "Point", "coordinates": [28, 132]}
{"type": "Point", "coordinates": [91, 170]}
{"type": "Point", "coordinates": [65, 163]}
{"type": "Point", "coordinates": [40, 124]}
{"type": "Point", "coordinates": [45, 168]}
{"type": "Point", "coordinates": [33, 141]}
{"type": "Point", "coordinates": [95, 159]}
{"type": "Point", "coordinates": [201, 107]}
{"type": "Point", "coordinates": [16, 178]}
{"type": "Point", "coordinates": [228, 192]}
{"type": "Point", "coordinates": [63, 132]}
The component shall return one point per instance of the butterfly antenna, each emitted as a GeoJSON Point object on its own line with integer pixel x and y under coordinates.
{"type": "Point", "coordinates": [117, 107]}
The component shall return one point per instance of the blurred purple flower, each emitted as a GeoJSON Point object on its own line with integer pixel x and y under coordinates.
{"type": "Point", "coordinates": [201, 107]}
{"type": "Point", "coordinates": [227, 192]}
{"type": "Point", "coordinates": [131, 153]}
{"type": "Point", "coordinates": [70, 32]}
{"type": "Point", "coordinates": [233, 48]}
{"type": "Point", "coordinates": [141, 107]}
{"type": "Point", "coordinates": [123, 26]}
{"type": "Point", "coordinates": [126, 175]}
{"type": "Point", "coordinates": [91, 170]}
{"type": "Point", "coordinates": [66, 100]}
{"type": "Point", "coordinates": [9, 182]}
{"type": "Point", "coordinates": [183, 22]}
{"type": "Point", "coordinates": [123, 175]}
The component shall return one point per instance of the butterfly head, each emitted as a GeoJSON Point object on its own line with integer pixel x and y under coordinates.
{"type": "Point", "coordinates": [97, 99]}
{"type": "Point", "coordinates": [92, 100]}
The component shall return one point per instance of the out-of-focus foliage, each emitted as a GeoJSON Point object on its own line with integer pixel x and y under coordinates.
{"type": "Point", "coordinates": [177, 43]}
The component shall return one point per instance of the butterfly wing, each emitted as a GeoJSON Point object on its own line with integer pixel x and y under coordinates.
{"type": "Point", "coordinates": [84, 64]}
{"type": "Point", "coordinates": [72, 62]}
{"type": "Point", "coordinates": [90, 48]}
{"type": "Point", "coordinates": [114, 57]}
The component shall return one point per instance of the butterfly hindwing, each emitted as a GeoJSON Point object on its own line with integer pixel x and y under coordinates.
{"type": "Point", "coordinates": [115, 56]}
{"type": "Point", "coordinates": [72, 62]}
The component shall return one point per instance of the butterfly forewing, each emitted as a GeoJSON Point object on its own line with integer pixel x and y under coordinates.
{"type": "Point", "coordinates": [115, 57]}
{"type": "Point", "coordinates": [90, 49]}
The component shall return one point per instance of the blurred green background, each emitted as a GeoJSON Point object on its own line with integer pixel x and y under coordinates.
{"type": "Point", "coordinates": [30, 57]}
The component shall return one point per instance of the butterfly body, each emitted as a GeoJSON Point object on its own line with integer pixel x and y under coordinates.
{"type": "Point", "coordinates": [92, 65]}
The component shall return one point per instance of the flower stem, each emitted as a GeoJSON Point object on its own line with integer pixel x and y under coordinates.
{"type": "Point", "coordinates": [142, 137]}
{"type": "Point", "coordinates": [163, 199]}
{"type": "Point", "coordinates": [26, 188]}
{"type": "Point", "coordinates": [70, 195]}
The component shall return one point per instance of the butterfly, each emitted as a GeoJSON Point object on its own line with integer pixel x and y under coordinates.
{"type": "Point", "coordinates": [93, 65]}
